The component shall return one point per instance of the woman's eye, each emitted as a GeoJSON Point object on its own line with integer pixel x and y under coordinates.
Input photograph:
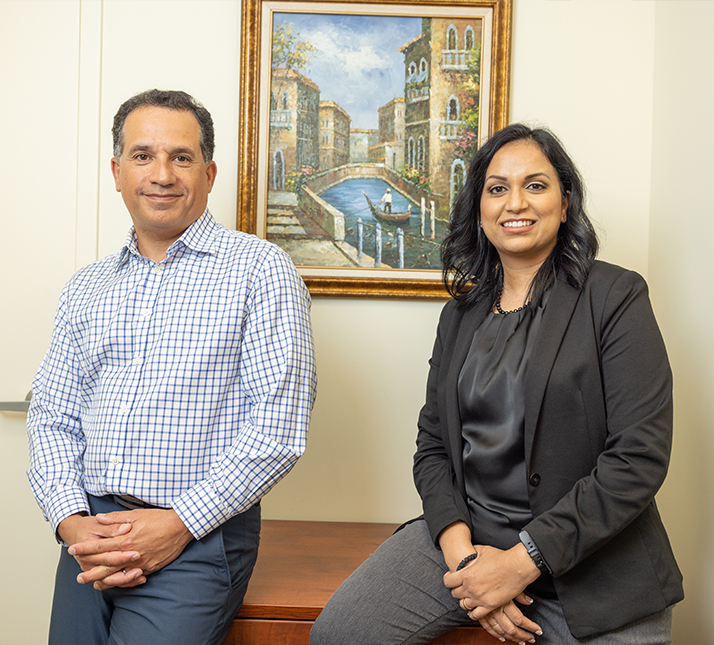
{"type": "Point", "coordinates": [495, 190]}
{"type": "Point", "coordinates": [536, 186]}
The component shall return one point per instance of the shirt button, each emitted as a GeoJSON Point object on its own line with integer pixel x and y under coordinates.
{"type": "Point", "coordinates": [124, 409]}
{"type": "Point", "coordinates": [534, 479]}
{"type": "Point", "coordinates": [146, 312]}
{"type": "Point", "coordinates": [116, 461]}
{"type": "Point", "coordinates": [137, 361]}
{"type": "Point", "coordinates": [157, 268]}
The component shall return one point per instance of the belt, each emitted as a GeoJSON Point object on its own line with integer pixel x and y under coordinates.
{"type": "Point", "coordinates": [130, 502]}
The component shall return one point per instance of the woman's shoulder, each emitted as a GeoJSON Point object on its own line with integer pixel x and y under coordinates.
{"type": "Point", "coordinates": [603, 274]}
{"type": "Point", "coordinates": [610, 286]}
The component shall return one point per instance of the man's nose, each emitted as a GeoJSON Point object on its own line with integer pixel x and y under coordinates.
{"type": "Point", "coordinates": [162, 171]}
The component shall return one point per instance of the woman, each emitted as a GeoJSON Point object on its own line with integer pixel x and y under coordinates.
{"type": "Point", "coordinates": [545, 434]}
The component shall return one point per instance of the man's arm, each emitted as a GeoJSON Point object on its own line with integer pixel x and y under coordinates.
{"type": "Point", "coordinates": [56, 440]}
{"type": "Point", "coordinates": [277, 377]}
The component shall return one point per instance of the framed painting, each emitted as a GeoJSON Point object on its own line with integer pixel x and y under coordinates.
{"type": "Point", "coordinates": [357, 124]}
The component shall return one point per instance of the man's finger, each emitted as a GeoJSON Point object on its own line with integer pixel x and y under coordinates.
{"type": "Point", "coordinates": [111, 575]}
{"type": "Point", "coordinates": [105, 545]}
{"type": "Point", "coordinates": [109, 583]}
{"type": "Point", "coordinates": [112, 559]}
{"type": "Point", "coordinates": [116, 517]}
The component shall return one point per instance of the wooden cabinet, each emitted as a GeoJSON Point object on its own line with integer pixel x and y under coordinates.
{"type": "Point", "coordinates": [300, 565]}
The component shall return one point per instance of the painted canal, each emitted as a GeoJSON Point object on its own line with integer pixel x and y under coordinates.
{"type": "Point", "coordinates": [419, 252]}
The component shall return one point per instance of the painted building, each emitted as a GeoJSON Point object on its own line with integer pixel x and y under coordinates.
{"type": "Point", "coordinates": [294, 125]}
{"type": "Point", "coordinates": [334, 141]}
{"type": "Point", "coordinates": [361, 140]}
{"type": "Point", "coordinates": [436, 69]}
{"type": "Point", "coordinates": [390, 149]}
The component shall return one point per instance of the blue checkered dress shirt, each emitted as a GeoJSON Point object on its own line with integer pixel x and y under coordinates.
{"type": "Point", "coordinates": [188, 383]}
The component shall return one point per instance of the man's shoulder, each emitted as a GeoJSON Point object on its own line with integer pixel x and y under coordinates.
{"type": "Point", "coordinates": [249, 248]}
{"type": "Point", "coordinates": [97, 270]}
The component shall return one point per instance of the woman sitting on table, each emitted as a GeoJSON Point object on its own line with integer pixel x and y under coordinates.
{"type": "Point", "coordinates": [545, 435]}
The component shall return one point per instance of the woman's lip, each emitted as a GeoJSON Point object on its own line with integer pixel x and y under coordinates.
{"type": "Point", "coordinates": [515, 227]}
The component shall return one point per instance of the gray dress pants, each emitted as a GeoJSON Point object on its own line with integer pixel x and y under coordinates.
{"type": "Point", "coordinates": [397, 597]}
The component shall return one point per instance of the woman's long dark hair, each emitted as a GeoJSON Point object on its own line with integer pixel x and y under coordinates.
{"type": "Point", "coordinates": [472, 268]}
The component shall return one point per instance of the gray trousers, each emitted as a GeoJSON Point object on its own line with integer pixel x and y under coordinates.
{"type": "Point", "coordinates": [191, 601]}
{"type": "Point", "coordinates": [398, 597]}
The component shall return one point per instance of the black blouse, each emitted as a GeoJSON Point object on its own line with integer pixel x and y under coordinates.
{"type": "Point", "coordinates": [492, 405]}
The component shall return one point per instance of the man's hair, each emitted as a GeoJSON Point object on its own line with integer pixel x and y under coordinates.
{"type": "Point", "coordinates": [172, 100]}
{"type": "Point", "coordinates": [471, 265]}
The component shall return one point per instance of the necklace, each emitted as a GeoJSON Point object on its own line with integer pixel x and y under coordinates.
{"type": "Point", "coordinates": [512, 311]}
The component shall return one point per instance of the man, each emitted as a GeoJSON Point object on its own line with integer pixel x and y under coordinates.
{"type": "Point", "coordinates": [176, 392]}
{"type": "Point", "coordinates": [387, 201]}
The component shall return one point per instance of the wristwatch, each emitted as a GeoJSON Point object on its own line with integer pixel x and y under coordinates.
{"type": "Point", "coordinates": [534, 552]}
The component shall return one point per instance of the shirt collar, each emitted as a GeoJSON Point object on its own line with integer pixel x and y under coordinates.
{"type": "Point", "coordinates": [199, 237]}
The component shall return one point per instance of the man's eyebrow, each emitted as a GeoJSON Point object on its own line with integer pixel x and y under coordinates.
{"type": "Point", "coordinates": [145, 147]}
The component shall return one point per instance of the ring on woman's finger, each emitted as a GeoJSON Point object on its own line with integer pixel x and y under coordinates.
{"type": "Point", "coordinates": [464, 606]}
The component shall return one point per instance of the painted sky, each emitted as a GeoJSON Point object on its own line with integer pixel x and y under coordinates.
{"type": "Point", "coordinates": [358, 65]}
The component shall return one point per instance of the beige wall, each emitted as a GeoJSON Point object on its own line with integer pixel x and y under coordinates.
{"type": "Point", "coordinates": [681, 272]}
{"type": "Point", "coordinates": [626, 84]}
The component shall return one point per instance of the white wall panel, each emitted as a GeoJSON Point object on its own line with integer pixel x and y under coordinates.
{"type": "Point", "coordinates": [39, 43]}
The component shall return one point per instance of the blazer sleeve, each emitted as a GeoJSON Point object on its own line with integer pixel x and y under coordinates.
{"type": "Point", "coordinates": [433, 469]}
{"type": "Point", "coordinates": [631, 467]}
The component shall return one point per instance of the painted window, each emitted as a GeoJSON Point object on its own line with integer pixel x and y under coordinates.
{"type": "Point", "coordinates": [410, 152]}
{"type": "Point", "coordinates": [469, 38]}
{"type": "Point", "coordinates": [451, 38]}
{"type": "Point", "coordinates": [456, 181]}
{"type": "Point", "coordinates": [453, 109]}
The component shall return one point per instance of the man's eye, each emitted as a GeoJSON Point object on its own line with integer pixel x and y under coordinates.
{"type": "Point", "coordinates": [141, 157]}
{"type": "Point", "coordinates": [183, 159]}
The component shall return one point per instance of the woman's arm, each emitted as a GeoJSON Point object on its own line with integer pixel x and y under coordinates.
{"type": "Point", "coordinates": [632, 464]}
{"type": "Point", "coordinates": [433, 468]}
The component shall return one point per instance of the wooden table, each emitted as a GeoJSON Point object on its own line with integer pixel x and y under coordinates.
{"type": "Point", "coordinates": [300, 565]}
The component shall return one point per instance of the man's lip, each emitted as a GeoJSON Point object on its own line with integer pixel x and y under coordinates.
{"type": "Point", "coordinates": [161, 196]}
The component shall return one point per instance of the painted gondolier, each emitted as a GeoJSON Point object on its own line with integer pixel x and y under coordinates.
{"type": "Point", "coordinates": [387, 201]}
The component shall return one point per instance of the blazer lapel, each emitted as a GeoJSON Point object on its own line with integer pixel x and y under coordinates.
{"type": "Point", "coordinates": [556, 318]}
{"type": "Point", "coordinates": [462, 343]}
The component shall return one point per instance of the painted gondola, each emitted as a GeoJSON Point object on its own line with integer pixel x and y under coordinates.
{"type": "Point", "coordinates": [395, 217]}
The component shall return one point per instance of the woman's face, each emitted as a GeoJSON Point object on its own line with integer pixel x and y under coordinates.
{"type": "Point", "coordinates": [521, 204]}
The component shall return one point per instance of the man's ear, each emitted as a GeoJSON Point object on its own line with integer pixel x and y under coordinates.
{"type": "Point", "coordinates": [115, 172]}
{"type": "Point", "coordinates": [211, 171]}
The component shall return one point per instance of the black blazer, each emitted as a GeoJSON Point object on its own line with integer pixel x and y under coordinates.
{"type": "Point", "coordinates": [598, 434]}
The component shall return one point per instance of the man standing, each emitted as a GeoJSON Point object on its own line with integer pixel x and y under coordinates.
{"type": "Point", "coordinates": [387, 201]}
{"type": "Point", "coordinates": [176, 392]}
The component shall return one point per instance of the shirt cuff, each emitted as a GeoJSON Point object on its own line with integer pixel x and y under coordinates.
{"type": "Point", "coordinates": [63, 502]}
{"type": "Point", "coordinates": [202, 509]}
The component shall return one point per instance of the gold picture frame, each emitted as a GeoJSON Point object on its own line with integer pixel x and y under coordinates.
{"type": "Point", "coordinates": [318, 237]}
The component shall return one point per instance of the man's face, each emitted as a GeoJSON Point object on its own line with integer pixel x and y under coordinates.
{"type": "Point", "coordinates": [162, 177]}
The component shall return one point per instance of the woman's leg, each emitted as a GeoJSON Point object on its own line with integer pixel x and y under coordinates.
{"type": "Point", "coordinates": [396, 597]}
{"type": "Point", "coordinates": [652, 630]}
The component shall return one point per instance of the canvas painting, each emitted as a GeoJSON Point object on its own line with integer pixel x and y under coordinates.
{"type": "Point", "coordinates": [358, 123]}
{"type": "Point", "coordinates": [373, 120]}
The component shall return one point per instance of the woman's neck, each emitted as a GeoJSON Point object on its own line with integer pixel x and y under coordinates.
{"type": "Point", "coordinates": [517, 282]}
